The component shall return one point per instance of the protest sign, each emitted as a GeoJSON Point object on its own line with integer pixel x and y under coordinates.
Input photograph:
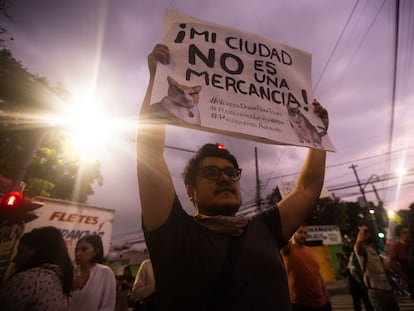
{"type": "Point", "coordinates": [236, 83]}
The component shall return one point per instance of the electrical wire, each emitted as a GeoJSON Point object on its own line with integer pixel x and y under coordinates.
{"type": "Point", "coordinates": [336, 45]}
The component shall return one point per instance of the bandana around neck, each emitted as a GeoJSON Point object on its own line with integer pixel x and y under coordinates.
{"type": "Point", "coordinates": [228, 225]}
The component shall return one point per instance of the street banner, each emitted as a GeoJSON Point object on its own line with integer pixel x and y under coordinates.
{"type": "Point", "coordinates": [329, 235]}
{"type": "Point", "coordinates": [236, 83]}
{"type": "Point", "coordinates": [74, 221]}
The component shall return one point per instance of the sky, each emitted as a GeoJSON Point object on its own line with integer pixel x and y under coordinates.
{"type": "Point", "coordinates": [102, 45]}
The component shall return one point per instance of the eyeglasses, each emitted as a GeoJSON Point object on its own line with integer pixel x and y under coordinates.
{"type": "Point", "coordinates": [213, 172]}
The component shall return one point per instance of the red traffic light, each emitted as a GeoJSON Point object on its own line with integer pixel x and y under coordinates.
{"type": "Point", "coordinates": [15, 209]}
{"type": "Point", "coordinates": [12, 199]}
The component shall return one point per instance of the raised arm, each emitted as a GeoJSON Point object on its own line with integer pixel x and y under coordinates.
{"type": "Point", "coordinates": [360, 238]}
{"type": "Point", "coordinates": [156, 188]}
{"type": "Point", "coordinates": [298, 205]}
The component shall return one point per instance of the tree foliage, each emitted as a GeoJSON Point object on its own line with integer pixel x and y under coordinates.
{"type": "Point", "coordinates": [4, 6]}
{"type": "Point", "coordinates": [30, 144]}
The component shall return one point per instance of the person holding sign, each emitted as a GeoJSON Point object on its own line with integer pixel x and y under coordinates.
{"type": "Point", "coordinates": [215, 260]}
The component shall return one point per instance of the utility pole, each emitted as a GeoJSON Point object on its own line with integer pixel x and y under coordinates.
{"type": "Point", "coordinates": [359, 184]}
{"type": "Point", "coordinates": [370, 220]}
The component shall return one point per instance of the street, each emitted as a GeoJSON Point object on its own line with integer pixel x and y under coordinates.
{"type": "Point", "coordinates": [342, 301]}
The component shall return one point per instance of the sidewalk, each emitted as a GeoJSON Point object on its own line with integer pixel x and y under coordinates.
{"type": "Point", "coordinates": [337, 288]}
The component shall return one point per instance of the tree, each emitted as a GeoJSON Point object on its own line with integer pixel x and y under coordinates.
{"type": "Point", "coordinates": [4, 5]}
{"type": "Point", "coordinates": [330, 211]}
{"type": "Point", "coordinates": [54, 170]}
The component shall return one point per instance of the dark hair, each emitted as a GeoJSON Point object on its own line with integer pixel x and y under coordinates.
{"type": "Point", "coordinates": [127, 268]}
{"type": "Point", "coordinates": [49, 248]}
{"type": "Point", "coordinates": [398, 229]}
{"type": "Point", "coordinates": [96, 242]}
{"type": "Point", "coordinates": [208, 150]}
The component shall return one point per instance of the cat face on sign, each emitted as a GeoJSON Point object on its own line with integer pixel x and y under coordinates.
{"type": "Point", "coordinates": [180, 104]}
{"type": "Point", "coordinates": [183, 95]}
{"type": "Point", "coordinates": [305, 131]}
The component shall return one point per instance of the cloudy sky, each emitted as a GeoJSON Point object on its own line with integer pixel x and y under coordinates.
{"type": "Point", "coordinates": [102, 45]}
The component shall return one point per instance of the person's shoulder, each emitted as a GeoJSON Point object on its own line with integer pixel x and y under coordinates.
{"type": "Point", "coordinates": [42, 270]}
{"type": "Point", "coordinates": [103, 268]}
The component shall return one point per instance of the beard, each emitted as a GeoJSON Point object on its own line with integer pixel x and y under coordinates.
{"type": "Point", "coordinates": [300, 241]}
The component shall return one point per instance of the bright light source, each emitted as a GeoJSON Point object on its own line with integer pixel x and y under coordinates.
{"type": "Point", "coordinates": [391, 213]}
{"type": "Point", "coordinates": [87, 123]}
{"type": "Point", "coordinates": [401, 171]}
{"type": "Point", "coordinates": [371, 211]}
{"type": "Point", "coordinates": [91, 130]}
{"type": "Point", "coordinates": [381, 235]}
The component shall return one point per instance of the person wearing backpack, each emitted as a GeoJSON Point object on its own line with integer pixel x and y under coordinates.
{"type": "Point", "coordinates": [380, 291]}
{"type": "Point", "coordinates": [353, 275]}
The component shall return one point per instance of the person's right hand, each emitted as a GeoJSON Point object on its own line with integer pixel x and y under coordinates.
{"type": "Point", "coordinates": [161, 54]}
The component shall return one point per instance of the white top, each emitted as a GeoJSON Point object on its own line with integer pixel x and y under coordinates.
{"type": "Point", "coordinates": [98, 294]}
{"type": "Point", "coordinates": [144, 284]}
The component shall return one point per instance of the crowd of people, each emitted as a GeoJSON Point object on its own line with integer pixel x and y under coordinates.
{"type": "Point", "coordinates": [212, 260]}
{"type": "Point", "coordinates": [45, 278]}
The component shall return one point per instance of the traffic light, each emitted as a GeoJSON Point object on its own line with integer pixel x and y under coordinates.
{"type": "Point", "coordinates": [220, 146]}
{"type": "Point", "coordinates": [14, 209]}
{"type": "Point", "coordinates": [12, 199]}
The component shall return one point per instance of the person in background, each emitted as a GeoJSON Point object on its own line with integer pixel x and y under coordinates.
{"type": "Point", "coordinates": [94, 284]}
{"type": "Point", "coordinates": [43, 278]}
{"type": "Point", "coordinates": [353, 275]}
{"type": "Point", "coordinates": [375, 277]}
{"type": "Point", "coordinates": [143, 290]}
{"type": "Point", "coordinates": [124, 286]}
{"type": "Point", "coordinates": [306, 286]}
{"type": "Point", "coordinates": [401, 260]}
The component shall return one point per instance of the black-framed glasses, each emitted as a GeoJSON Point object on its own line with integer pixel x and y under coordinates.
{"type": "Point", "coordinates": [213, 172]}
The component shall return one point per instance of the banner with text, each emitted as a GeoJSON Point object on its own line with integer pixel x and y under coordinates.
{"type": "Point", "coordinates": [329, 235]}
{"type": "Point", "coordinates": [235, 83]}
{"type": "Point", "coordinates": [74, 220]}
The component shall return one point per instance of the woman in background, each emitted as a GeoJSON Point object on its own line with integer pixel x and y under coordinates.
{"type": "Point", "coordinates": [124, 286]}
{"type": "Point", "coordinates": [43, 278]}
{"type": "Point", "coordinates": [94, 284]}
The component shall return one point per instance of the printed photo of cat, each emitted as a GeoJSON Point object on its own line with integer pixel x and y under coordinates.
{"type": "Point", "coordinates": [180, 103]}
{"type": "Point", "coordinates": [303, 128]}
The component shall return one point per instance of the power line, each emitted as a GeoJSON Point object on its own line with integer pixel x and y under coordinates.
{"type": "Point", "coordinates": [336, 45]}
{"type": "Point", "coordinates": [350, 161]}
{"type": "Point", "coordinates": [394, 84]}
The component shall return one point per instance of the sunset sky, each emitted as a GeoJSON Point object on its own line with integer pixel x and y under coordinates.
{"type": "Point", "coordinates": [101, 46]}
